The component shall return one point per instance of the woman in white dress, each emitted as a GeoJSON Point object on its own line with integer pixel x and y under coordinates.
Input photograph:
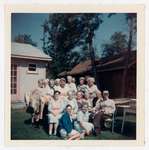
{"type": "Point", "coordinates": [55, 108]}
{"type": "Point", "coordinates": [83, 121]}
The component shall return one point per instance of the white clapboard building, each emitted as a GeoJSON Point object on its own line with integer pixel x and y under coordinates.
{"type": "Point", "coordinates": [28, 65]}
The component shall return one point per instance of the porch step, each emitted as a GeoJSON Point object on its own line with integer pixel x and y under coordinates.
{"type": "Point", "coordinates": [18, 105]}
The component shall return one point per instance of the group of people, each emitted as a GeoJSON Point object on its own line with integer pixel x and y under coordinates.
{"type": "Point", "coordinates": [73, 111]}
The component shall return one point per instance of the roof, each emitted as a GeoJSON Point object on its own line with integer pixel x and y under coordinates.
{"type": "Point", "coordinates": [116, 63]}
{"type": "Point", "coordinates": [104, 64]}
{"type": "Point", "coordinates": [64, 73]}
{"type": "Point", "coordinates": [81, 67]}
{"type": "Point", "coordinates": [27, 51]}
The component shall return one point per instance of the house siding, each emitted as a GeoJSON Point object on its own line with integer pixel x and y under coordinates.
{"type": "Point", "coordinates": [27, 81]}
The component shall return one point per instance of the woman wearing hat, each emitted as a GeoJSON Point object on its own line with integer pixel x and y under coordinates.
{"type": "Point", "coordinates": [92, 88]}
{"type": "Point", "coordinates": [82, 86]}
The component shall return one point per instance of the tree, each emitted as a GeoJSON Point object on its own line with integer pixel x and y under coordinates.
{"type": "Point", "coordinates": [25, 38]}
{"type": "Point", "coordinates": [131, 19]}
{"type": "Point", "coordinates": [64, 32]}
{"type": "Point", "coordinates": [117, 45]}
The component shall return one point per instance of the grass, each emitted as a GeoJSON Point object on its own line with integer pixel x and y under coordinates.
{"type": "Point", "coordinates": [21, 129]}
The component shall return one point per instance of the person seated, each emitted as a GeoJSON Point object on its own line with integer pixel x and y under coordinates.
{"type": "Point", "coordinates": [70, 100]}
{"type": "Point", "coordinates": [88, 99]}
{"type": "Point", "coordinates": [55, 108]}
{"type": "Point", "coordinates": [102, 110]}
{"type": "Point", "coordinates": [66, 125]}
{"type": "Point", "coordinates": [96, 99]}
{"type": "Point", "coordinates": [107, 105]}
{"type": "Point", "coordinates": [80, 100]}
{"type": "Point", "coordinates": [82, 86]}
{"type": "Point", "coordinates": [83, 125]}
{"type": "Point", "coordinates": [73, 80]}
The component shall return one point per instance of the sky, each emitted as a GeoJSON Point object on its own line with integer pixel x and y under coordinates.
{"type": "Point", "coordinates": [30, 23]}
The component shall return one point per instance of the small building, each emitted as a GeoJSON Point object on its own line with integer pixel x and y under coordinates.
{"type": "Point", "coordinates": [110, 71]}
{"type": "Point", "coordinates": [28, 65]}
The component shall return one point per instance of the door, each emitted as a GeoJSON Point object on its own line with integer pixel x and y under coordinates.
{"type": "Point", "coordinates": [14, 82]}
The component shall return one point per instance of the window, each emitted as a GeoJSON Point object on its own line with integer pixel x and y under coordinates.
{"type": "Point", "coordinates": [13, 78]}
{"type": "Point", "coordinates": [32, 67]}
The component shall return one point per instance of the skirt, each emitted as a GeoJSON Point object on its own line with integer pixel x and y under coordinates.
{"type": "Point", "coordinates": [54, 119]}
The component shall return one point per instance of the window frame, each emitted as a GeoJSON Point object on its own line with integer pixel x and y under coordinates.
{"type": "Point", "coordinates": [32, 71]}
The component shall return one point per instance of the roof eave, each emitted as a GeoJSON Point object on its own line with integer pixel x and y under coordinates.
{"type": "Point", "coordinates": [31, 57]}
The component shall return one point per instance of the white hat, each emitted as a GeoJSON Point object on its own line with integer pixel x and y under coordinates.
{"type": "Point", "coordinates": [106, 92]}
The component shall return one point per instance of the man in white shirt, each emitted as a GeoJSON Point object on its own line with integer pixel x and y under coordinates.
{"type": "Point", "coordinates": [107, 105]}
{"type": "Point", "coordinates": [104, 110]}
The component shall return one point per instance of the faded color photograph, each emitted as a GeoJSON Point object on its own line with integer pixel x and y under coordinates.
{"type": "Point", "coordinates": [73, 76]}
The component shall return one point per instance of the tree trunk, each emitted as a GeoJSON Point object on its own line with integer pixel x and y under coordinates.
{"type": "Point", "coordinates": [127, 59]}
{"type": "Point", "coordinates": [93, 63]}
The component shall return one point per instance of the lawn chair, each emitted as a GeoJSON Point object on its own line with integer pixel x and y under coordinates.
{"type": "Point", "coordinates": [110, 121]}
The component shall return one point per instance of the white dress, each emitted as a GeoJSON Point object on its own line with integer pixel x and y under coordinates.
{"type": "Point", "coordinates": [84, 118]}
{"type": "Point", "coordinates": [57, 108]}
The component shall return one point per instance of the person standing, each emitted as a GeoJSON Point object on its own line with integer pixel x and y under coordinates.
{"type": "Point", "coordinates": [82, 86]}
{"type": "Point", "coordinates": [63, 88]}
{"type": "Point", "coordinates": [80, 100]}
{"type": "Point", "coordinates": [57, 85]}
{"type": "Point", "coordinates": [92, 88]}
{"type": "Point", "coordinates": [71, 86]}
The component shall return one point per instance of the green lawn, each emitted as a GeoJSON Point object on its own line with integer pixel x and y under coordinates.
{"type": "Point", "coordinates": [22, 129]}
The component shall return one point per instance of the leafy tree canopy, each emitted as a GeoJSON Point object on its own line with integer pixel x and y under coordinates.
{"type": "Point", "coordinates": [117, 44]}
{"type": "Point", "coordinates": [25, 38]}
{"type": "Point", "coordinates": [63, 33]}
